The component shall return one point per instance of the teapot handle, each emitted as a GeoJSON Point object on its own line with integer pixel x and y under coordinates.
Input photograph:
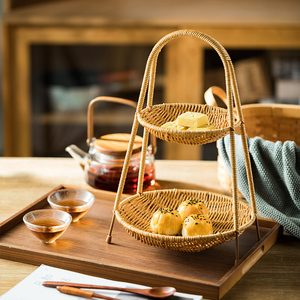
{"type": "Point", "coordinates": [90, 117]}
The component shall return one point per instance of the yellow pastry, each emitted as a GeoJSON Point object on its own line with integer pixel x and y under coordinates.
{"type": "Point", "coordinates": [204, 127]}
{"type": "Point", "coordinates": [192, 119]}
{"type": "Point", "coordinates": [166, 221]}
{"type": "Point", "coordinates": [173, 125]}
{"type": "Point", "coordinates": [192, 206]}
{"type": "Point", "coordinates": [197, 225]}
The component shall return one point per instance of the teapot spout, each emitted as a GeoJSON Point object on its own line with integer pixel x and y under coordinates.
{"type": "Point", "coordinates": [79, 155]}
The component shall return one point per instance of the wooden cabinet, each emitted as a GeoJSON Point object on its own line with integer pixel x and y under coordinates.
{"type": "Point", "coordinates": [236, 25]}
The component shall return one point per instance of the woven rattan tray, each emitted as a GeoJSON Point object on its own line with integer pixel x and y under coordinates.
{"type": "Point", "coordinates": [230, 217]}
{"type": "Point", "coordinates": [153, 117]}
{"type": "Point", "coordinates": [138, 210]}
{"type": "Point", "coordinates": [82, 248]}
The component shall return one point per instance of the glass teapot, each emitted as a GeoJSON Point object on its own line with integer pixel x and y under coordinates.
{"type": "Point", "coordinates": [103, 163]}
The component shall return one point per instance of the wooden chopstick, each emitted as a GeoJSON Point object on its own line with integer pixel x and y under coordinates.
{"type": "Point", "coordinates": [82, 293]}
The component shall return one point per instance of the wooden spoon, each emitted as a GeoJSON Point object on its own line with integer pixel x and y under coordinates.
{"type": "Point", "coordinates": [154, 292]}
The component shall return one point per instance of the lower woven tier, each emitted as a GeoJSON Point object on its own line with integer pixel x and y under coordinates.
{"type": "Point", "coordinates": [135, 213]}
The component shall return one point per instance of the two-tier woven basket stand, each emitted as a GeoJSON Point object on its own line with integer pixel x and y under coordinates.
{"type": "Point", "coordinates": [230, 216]}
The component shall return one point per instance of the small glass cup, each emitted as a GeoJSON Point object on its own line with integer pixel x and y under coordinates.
{"type": "Point", "coordinates": [47, 224]}
{"type": "Point", "coordinates": [76, 202]}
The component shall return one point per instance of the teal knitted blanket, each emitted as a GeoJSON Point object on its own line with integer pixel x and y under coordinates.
{"type": "Point", "coordinates": [276, 175]}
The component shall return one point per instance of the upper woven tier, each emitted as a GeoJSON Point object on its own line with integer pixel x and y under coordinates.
{"type": "Point", "coordinates": [153, 117]}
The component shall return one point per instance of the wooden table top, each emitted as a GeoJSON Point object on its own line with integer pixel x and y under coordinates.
{"type": "Point", "coordinates": [23, 180]}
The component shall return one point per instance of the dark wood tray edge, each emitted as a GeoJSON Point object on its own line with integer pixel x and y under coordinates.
{"type": "Point", "coordinates": [111, 272]}
{"type": "Point", "coordinates": [17, 217]}
{"type": "Point", "coordinates": [212, 291]}
{"type": "Point", "coordinates": [252, 256]}
{"type": "Point", "coordinates": [42, 201]}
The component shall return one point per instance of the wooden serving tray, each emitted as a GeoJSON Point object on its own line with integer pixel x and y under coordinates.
{"type": "Point", "coordinates": [82, 248]}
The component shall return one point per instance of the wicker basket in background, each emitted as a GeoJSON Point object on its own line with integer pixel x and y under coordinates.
{"type": "Point", "coordinates": [272, 122]}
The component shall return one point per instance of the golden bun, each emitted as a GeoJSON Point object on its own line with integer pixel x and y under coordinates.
{"type": "Point", "coordinates": [197, 224]}
{"type": "Point", "coordinates": [166, 221]}
{"type": "Point", "coordinates": [192, 206]}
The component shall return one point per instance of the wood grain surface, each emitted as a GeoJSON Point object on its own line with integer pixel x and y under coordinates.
{"type": "Point", "coordinates": [23, 181]}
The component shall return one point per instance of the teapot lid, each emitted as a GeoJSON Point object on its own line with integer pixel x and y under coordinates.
{"type": "Point", "coordinates": [116, 144]}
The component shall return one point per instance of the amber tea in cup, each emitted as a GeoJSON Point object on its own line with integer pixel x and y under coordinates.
{"type": "Point", "coordinates": [47, 224]}
{"type": "Point", "coordinates": [76, 202]}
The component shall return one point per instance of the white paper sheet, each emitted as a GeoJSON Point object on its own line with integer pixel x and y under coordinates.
{"type": "Point", "coordinates": [31, 287]}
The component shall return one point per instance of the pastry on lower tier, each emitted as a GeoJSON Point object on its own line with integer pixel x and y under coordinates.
{"type": "Point", "coordinates": [197, 224]}
{"type": "Point", "coordinates": [192, 119]}
{"type": "Point", "coordinates": [166, 221]}
{"type": "Point", "coordinates": [192, 206]}
{"type": "Point", "coordinates": [174, 126]}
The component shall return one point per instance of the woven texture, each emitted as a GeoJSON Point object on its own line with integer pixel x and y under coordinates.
{"type": "Point", "coordinates": [229, 216]}
{"type": "Point", "coordinates": [135, 214]}
{"type": "Point", "coordinates": [276, 173]}
{"type": "Point", "coordinates": [273, 122]}
{"type": "Point", "coordinates": [153, 117]}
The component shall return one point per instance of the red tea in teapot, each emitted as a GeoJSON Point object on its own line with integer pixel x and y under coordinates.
{"type": "Point", "coordinates": [107, 177]}
{"type": "Point", "coordinates": [103, 164]}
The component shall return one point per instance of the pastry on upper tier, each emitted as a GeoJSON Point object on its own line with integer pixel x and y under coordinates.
{"type": "Point", "coordinates": [192, 119]}
{"type": "Point", "coordinates": [166, 221]}
{"type": "Point", "coordinates": [192, 206]}
{"type": "Point", "coordinates": [197, 225]}
{"type": "Point", "coordinates": [173, 125]}
{"type": "Point", "coordinates": [204, 127]}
